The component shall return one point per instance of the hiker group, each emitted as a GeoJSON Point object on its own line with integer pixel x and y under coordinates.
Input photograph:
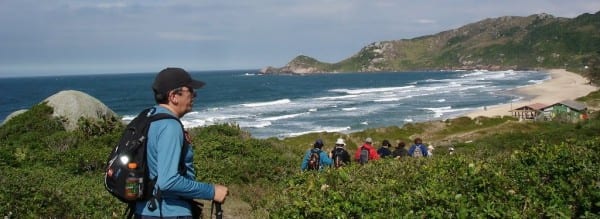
{"type": "Point", "coordinates": [316, 158]}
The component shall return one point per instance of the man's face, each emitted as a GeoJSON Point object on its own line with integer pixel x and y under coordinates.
{"type": "Point", "coordinates": [184, 99]}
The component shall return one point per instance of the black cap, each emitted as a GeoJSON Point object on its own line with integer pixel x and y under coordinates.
{"type": "Point", "coordinates": [318, 143]}
{"type": "Point", "coordinates": [171, 78]}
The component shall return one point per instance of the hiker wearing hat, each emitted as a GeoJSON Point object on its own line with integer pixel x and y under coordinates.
{"type": "Point", "coordinates": [175, 187]}
{"type": "Point", "coordinates": [316, 158]}
{"type": "Point", "coordinates": [339, 154]}
{"type": "Point", "coordinates": [366, 148]}
{"type": "Point", "coordinates": [430, 149]}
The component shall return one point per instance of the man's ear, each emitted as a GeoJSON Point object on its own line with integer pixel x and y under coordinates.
{"type": "Point", "coordinates": [174, 100]}
{"type": "Point", "coordinates": [172, 97]}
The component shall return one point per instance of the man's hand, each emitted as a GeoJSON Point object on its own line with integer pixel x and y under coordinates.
{"type": "Point", "coordinates": [221, 193]}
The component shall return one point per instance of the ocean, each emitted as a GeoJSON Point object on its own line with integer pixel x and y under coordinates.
{"type": "Point", "coordinates": [290, 105]}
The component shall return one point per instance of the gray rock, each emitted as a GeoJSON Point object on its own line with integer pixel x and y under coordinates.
{"type": "Point", "coordinates": [72, 105]}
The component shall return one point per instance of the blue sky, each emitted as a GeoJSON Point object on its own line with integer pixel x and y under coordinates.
{"type": "Point", "coordinates": [90, 37]}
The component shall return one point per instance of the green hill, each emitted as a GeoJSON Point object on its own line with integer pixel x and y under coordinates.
{"type": "Point", "coordinates": [536, 41]}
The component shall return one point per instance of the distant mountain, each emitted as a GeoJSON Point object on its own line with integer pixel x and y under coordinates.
{"type": "Point", "coordinates": [511, 42]}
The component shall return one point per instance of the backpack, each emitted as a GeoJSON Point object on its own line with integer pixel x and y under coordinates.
{"type": "Point", "coordinates": [314, 162]}
{"type": "Point", "coordinates": [126, 175]}
{"type": "Point", "coordinates": [417, 152]}
{"type": "Point", "coordinates": [364, 155]}
{"type": "Point", "coordinates": [337, 158]}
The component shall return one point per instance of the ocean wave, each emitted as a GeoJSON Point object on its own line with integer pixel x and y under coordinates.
{"type": "Point", "coordinates": [490, 75]}
{"type": "Point", "coordinates": [471, 74]}
{"type": "Point", "coordinates": [472, 87]}
{"type": "Point", "coordinates": [254, 124]}
{"type": "Point", "coordinates": [391, 99]}
{"type": "Point", "coordinates": [289, 116]}
{"type": "Point", "coordinates": [324, 129]}
{"type": "Point", "coordinates": [442, 111]}
{"type": "Point", "coordinates": [337, 97]}
{"type": "Point", "coordinates": [536, 81]}
{"type": "Point", "coordinates": [192, 123]}
{"type": "Point", "coordinates": [371, 90]}
{"type": "Point", "coordinates": [268, 103]}
{"type": "Point", "coordinates": [438, 111]}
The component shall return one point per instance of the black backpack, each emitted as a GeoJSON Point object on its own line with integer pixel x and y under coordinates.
{"type": "Point", "coordinates": [364, 155]}
{"type": "Point", "coordinates": [337, 157]}
{"type": "Point", "coordinates": [314, 161]}
{"type": "Point", "coordinates": [131, 183]}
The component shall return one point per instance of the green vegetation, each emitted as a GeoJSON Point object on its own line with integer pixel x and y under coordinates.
{"type": "Point", "coordinates": [593, 68]}
{"type": "Point", "coordinates": [541, 180]}
{"type": "Point", "coordinates": [501, 168]}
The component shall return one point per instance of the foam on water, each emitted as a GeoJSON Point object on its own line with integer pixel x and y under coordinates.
{"type": "Point", "coordinates": [268, 103]}
{"type": "Point", "coordinates": [289, 116]}
{"type": "Point", "coordinates": [346, 108]}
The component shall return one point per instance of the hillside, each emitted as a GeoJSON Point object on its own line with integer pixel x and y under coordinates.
{"type": "Point", "coordinates": [536, 41]}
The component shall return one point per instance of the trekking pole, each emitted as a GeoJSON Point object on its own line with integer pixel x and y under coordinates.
{"type": "Point", "coordinates": [219, 212]}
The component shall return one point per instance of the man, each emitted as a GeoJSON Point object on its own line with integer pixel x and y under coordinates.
{"type": "Point", "coordinates": [418, 149]}
{"type": "Point", "coordinates": [372, 153]}
{"type": "Point", "coordinates": [175, 184]}
{"type": "Point", "coordinates": [339, 155]}
{"type": "Point", "coordinates": [430, 149]}
{"type": "Point", "coordinates": [384, 151]}
{"type": "Point", "coordinates": [400, 150]}
{"type": "Point", "coordinates": [324, 160]}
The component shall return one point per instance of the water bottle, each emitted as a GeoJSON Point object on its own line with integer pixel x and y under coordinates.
{"type": "Point", "coordinates": [133, 183]}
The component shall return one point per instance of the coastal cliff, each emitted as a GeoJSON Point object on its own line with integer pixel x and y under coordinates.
{"type": "Point", "coordinates": [510, 42]}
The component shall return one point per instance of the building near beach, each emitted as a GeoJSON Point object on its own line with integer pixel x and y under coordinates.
{"type": "Point", "coordinates": [567, 110]}
{"type": "Point", "coordinates": [529, 112]}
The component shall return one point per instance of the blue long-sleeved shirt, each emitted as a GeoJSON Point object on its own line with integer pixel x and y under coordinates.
{"type": "Point", "coordinates": [165, 142]}
{"type": "Point", "coordinates": [325, 160]}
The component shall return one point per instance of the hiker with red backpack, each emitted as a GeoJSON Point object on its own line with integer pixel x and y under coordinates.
{"type": "Point", "coordinates": [339, 154]}
{"type": "Point", "coordinates": [366, 152]}
{"type": "Point", "coordinates": [316, 158]}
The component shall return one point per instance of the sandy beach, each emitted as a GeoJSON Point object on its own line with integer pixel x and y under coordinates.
{"type": "Point", "coordinates": [563, 85]}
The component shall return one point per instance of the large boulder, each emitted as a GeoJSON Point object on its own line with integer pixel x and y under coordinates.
{"type": "Point", "coordinates": [72, 105]}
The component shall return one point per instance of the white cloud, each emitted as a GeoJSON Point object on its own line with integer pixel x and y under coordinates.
{"type": "Point", "coordinates": [426, 21]}
{"type": "Point", "coordinates": [111, 5]}
{"type": "Point", "coordinates": [178, 36]}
